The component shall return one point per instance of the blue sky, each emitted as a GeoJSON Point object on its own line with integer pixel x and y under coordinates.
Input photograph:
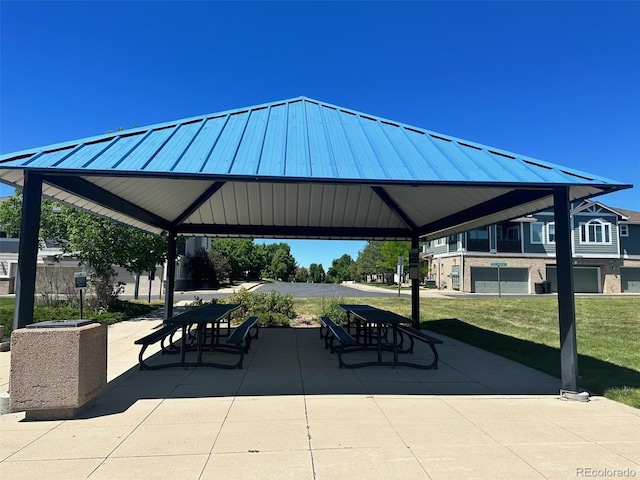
{"type": "Point", "coordinates": [558, 81]}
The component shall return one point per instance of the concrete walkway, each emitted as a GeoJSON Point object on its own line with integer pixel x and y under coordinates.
{"type": "Point", "coordinates": [292, 414]}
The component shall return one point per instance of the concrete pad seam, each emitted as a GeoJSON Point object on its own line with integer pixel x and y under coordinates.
{"type": "Point", "coordinates": [8, 457]}
{"type": "Point", "coordinates": [604, 445]}
{"type": "Point", "coordinates": [129, 435]}
{"type": "Point", "coordinates": [524, 460]}
{"type": "Point", "coordinates": [306, 412]}
{"type": "Point", "coordinates": [226, 416]}
{"type": "Point", "coordinates": [400, 437]}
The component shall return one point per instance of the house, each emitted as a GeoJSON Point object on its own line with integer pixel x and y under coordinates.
{"type": "Point", "coordinates": [521, 253]}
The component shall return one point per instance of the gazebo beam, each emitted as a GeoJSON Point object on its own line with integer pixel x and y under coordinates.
{"type": "Point", "coordinates": [90, 191]}
{"type": "Point", "coordinates": [28, 250]}
{"type": "Point", "coordinates": [274, 231]}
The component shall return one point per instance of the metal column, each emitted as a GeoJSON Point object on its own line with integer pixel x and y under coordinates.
{"type": "Point", "coordinates": [28, 250]}
{"type": "Point", "coordinates": [171, 275]}
{"type": "Point", "coordinates": [415, 290]}
{"type": "Point", "coordinates": [566, 301]}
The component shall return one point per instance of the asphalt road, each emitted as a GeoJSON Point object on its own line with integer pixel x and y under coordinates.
{"type": "Point", "coordinates": [296, 290]}
{"type": "Point", "coordinates": [317, 290]}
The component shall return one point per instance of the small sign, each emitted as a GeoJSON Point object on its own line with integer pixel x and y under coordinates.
{"type": "Point", "coordinates": [413, 273]}
{"type": "Point", "coordinates": [80, 280]}
{"type": "Point", "coordinates": [498, 264]}
{"type": "Point", "coordinates": [414, 256]}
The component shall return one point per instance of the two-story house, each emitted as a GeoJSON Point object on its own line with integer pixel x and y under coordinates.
{"type": "Point", "coordinates": [513, 257]}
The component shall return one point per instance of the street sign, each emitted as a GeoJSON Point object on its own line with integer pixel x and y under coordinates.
{"type": "Point", "coordinates": [80, 280]}
{"type": "Point", "coordinates": [498, 264]}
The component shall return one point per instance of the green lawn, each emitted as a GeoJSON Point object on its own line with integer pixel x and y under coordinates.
{"type": "Point", "coordinates": [526, 330]}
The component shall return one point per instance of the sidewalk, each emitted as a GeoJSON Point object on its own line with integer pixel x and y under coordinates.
{"type": "Point", "coordinates": [424, 292]}
{"type": "Point", "coordinates": [291, 413]}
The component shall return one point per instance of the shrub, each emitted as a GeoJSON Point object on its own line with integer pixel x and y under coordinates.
{"type": "Point", "coordinates": [6, 321]}
{"type": "Point", "coordinates": [119, 311]}
{"type": "Point", "coordinates": [329, 308]}
{"type": "Point", "coordinates": [273, 320]}
{"type": "Point", "coordinates": [273, 308]}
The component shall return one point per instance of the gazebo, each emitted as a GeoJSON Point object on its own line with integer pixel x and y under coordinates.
{"type": "Point", "coordinates": [297, 168]}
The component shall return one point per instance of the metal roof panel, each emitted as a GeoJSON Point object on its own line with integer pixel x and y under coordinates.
{"type": "Point", "coordinates": [297, 162]}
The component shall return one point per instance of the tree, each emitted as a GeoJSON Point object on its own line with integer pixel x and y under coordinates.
{"type": "Point", "coordinates": [51, 226]}
{"type": "Point", "coordinates": [245, 260]}
{"type": "Point", "coordinates": [281, 264]}
{"type": "Point", "coordinates": [340, 269]}
{"type": "Point", "coordinates": [302, 274]}
{"type": "Point", "coordinates": [316, 273]}
{"type": "Point", "coordinates": [369, 260]}
{"type": "Point", "coordinates": [201, 270]}
{"type": "Point", "coordinates": [101, 243]}
{"type": "Point", "coordinates": [221, 267]}
{"type": "Point", "coordinates": [97, 242]}
{"type": "Point", "coordinates": [390, 251]}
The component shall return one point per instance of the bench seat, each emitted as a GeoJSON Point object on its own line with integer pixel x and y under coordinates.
{"type": "Point", "coordinates": [237, 343]}
{"type": "Point", "coordinates": [160, 335]}
{"type": "Point", "coordinates": [336, 333]}
{"type": "Point", "coordinates": [413, 333]}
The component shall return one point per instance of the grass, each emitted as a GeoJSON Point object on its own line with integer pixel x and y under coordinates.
{"type": "Point", "coordinates": [526, 330]}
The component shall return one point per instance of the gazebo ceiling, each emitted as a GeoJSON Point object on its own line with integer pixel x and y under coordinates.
{"type": "Point", "coordinates": [297, 168]}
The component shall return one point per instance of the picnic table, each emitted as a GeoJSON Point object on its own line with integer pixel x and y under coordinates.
{"type": "Point", "coordinates": [372, 327]}
{"type": "Point", "coordinates": [202, 329]}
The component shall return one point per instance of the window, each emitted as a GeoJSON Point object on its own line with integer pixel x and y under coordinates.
{"type": "Point", "coordinates": [440, 241]}
{"type": "Point", "coordinates": [479, 234]}
{"type": "Point", "coordinates": [551, 233]}
{"type": "Point", "coordinates": [478, 240]}
{"type": "Point", "coordinates": [536, 232]}
{"type": "Point", "coordinates": [624, 230]}
{"type": "Point", "coordinates": [508, 232]}
{"type": "Point", "coordinates": [595, 231]}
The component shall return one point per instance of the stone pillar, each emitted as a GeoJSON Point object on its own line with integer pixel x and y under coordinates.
{"type": "Point", "coordinates": [57, 372]}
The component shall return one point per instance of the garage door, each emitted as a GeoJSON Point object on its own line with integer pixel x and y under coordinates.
{"type": "Point", "coordinates": [630, 280]}
{"type": "Point", "coordinates": [585, 279]}
{"type": "Point", "coordinates": [512, 280]}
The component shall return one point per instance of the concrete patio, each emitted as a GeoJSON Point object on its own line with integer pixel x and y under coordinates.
{"type": "Point", "coordinates": [291, 413]}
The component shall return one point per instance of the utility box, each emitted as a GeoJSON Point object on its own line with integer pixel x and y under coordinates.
{"type": "Point", "coordinates": [58, 368]}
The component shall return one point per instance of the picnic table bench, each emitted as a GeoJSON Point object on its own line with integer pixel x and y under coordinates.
{"type": "Point", "coordinates": [374, 326]}
{"type": "Point", "coordinates": [412, 334]}
{"type": "Point", "coordinates": [335, 332]}
{"type": "Point", "coordinates": [237, 342]}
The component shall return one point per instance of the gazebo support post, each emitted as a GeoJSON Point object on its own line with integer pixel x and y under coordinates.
{"type": "Point", "coordinates": [171, 275]}
{"type": "Point", "coordinates": [566, 301]}
{"type": "Point", "coordinates": [415, 290]}
{"type": "Point", "coordinates": [28, 250]}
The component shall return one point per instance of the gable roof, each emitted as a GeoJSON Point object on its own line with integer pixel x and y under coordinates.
{"type": "Point", "coordinates": [628, 215]}
{"type": "Point", "coordinates": [296, 168]}
{"type": "Point", "coordinates": [625, 215]}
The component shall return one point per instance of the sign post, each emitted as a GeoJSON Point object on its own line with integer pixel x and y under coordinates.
{"type": "Point", "coordinates": [152, 275]}
{"type": "Point", "coordinates": [499, 265]}
{"type": "Point", "coordinates": [80, 282]}
{"type": "Point", "coordinates": [400, 272]}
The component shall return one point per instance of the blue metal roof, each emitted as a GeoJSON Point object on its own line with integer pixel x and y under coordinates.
{"type": "Point", "coordinates": [293, 166]}
{"type": "Point", "coordinates": [297, 138]}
